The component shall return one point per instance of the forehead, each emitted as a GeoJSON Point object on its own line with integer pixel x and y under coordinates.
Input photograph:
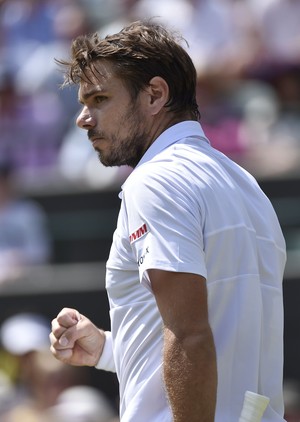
{"type": "Point", "coordinates": [100, 77]}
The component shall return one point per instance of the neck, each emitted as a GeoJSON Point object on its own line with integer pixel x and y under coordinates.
{"type": "Point", "coordinates": [161, 124]}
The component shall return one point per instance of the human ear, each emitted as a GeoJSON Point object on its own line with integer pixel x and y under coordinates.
{"type": "Point", "coordinates": [158, 94]}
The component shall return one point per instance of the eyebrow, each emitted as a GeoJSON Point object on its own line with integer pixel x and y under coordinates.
{"type": "Point", "coordinates": [89, 94]}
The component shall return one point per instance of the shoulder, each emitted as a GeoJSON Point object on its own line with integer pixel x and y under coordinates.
{"type": "Point", "coordinates": [156, 178]}
{"type": "Point", "coordinates": [160, 188]}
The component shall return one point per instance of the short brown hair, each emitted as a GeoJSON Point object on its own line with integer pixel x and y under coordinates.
{"type": "Point", "coordinates": [138, 53]}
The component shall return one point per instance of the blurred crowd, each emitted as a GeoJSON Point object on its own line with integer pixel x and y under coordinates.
{"type": "Point", "coordinates": [247, 54]}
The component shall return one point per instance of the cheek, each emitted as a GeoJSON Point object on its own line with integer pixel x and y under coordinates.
{"type": "Point", "coordinates": [117, 119]}
{"type": "Point", "coordinates": [121, 122]}
{"type": "Point", "coordinates": [112, 116]}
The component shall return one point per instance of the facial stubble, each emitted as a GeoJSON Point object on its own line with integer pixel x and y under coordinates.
{"type": "Point", "coordinates": [125, 149]}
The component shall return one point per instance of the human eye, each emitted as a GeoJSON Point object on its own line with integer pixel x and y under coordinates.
{"type": "Point", "coordinates": [99, 99]}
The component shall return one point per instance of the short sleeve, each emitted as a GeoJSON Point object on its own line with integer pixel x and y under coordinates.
{"type": "Point", "coordinates": [165, 222]}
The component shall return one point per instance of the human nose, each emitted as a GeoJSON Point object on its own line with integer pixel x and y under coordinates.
{"type": "Point", "coordinates": [85, 119]}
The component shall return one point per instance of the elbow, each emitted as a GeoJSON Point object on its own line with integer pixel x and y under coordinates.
{"type": "Point", "coordinates": [194, 343]}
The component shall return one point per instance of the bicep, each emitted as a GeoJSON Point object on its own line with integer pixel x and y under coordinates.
{"type": "Point", "coordinates": [181, 299]}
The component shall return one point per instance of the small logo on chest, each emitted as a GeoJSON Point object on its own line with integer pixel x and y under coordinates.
{"type": "Point", "coordinates": [141, 260]}
{"type": "Point", "coordinates": [141, 231]}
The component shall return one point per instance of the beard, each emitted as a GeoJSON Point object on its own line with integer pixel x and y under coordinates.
{"type": "Point", "coordinates": [124, 149]}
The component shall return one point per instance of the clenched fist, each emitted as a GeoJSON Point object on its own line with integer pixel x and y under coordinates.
{"type": "Point", "coordinates": [75, 340]}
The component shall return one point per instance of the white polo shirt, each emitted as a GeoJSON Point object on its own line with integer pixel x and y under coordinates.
{"type": "Point", "coordinates": [186, 207]}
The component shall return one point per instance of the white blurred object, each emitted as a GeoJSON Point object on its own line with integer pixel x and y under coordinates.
{"type": "Point", "coordinates": [25, 332]}
{"type": "Point", "coordinates": [254, 407]}
{"type": "Point", "coordinates": [82, 404]}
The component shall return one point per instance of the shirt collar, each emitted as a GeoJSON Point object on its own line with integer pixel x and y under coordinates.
{"type": "Point", "coordinates": [170, 136]}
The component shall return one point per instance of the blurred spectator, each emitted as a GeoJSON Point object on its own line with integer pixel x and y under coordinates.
{"type": "Point", "coordinates": [24, 238]}
{"type": "Point", "coordinates": [82, 404]}
{"type": "Point", "coordinates": [25, 332]}
{"type": "Point", "coordinates": [281, 31]}
{"type": "Point", "coordinates": [22, 336]}
{"type": "Point", "coordinates": [248, 49]}
{"type": "Point", "coordinates": [40, 378]}
{"type": "Point", "coordinates": [101, 12]}
{"type": "Point", "coordinates": [127, 11]}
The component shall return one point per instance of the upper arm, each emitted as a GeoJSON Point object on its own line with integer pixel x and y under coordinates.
{"type": "Point", "coordinates": [181, 299]}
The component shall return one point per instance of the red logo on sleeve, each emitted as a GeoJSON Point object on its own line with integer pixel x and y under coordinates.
{"type": "Point", "coordinates": [138, 233]}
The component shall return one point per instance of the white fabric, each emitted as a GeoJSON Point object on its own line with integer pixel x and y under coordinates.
{"type": "Point", "coordinates": [106, 361]}
{"type": "Point", "coordinates": [187, 207]}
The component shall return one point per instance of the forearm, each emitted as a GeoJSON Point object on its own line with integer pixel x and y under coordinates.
{"type": "Point", "coordinates": [190, 376]}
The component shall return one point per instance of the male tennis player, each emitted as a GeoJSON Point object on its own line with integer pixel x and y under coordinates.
{"type": "Point", "coordinates": [194, 276]}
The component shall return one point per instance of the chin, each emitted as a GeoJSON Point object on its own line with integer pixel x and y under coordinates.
{"type": "Point", "coordinates": [107, 162]}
